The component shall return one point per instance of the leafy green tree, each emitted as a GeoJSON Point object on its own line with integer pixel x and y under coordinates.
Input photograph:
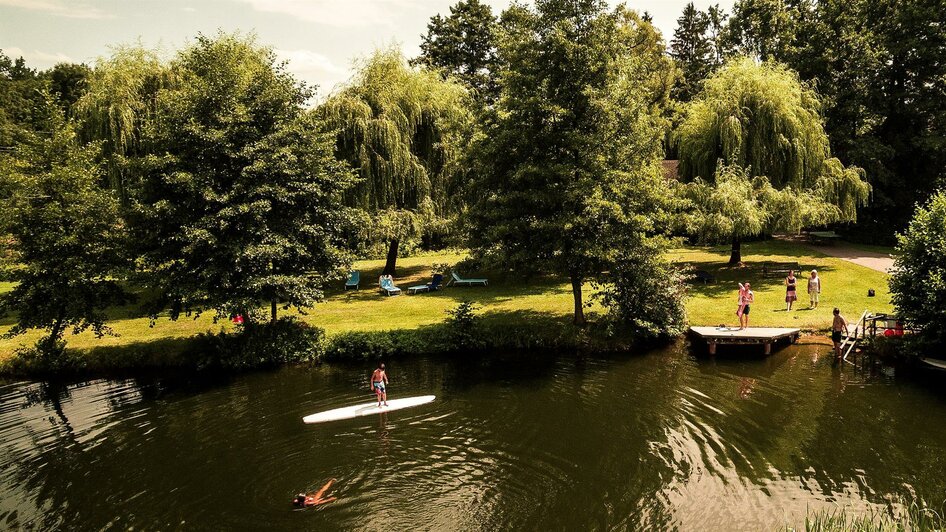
{"type": "Point", "coordinates": [569, 170]}
{"type": "Point", "coordinates": [464, 45]}
{"type": "Point", "coordinates": [909, 92]}
{"type": "Point", "coordinates": [240, 204]}
{"type": "Point", "coordinates": [66, 238]}
{"type": "Point", "coordinates": [20, 95]}
{"type": "Point", "coordinates": [918, 282]}
{"type": "Point", "coordinates": [716, 18]}
{"type": "Point", "coordinates": [403, 131]}
{"type": "Point", "coordinates": [646, 294]}
{"type": "Point", "coordinates": [693, 51]}
{"type": "Point", "coordinates": [764, 29]}
{"type": "Point", "coordinates": [119, 102]}
{"type": "Point", "coordinates": [762, 119]}
{"type": "Point", "coordinates": [68, 82]}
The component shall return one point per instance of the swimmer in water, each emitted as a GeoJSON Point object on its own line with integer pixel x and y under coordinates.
{"type": "Point", "coordinates": [305, 501]}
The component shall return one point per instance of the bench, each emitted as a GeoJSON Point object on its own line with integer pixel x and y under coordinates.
{"type": "Point", "coordinates": [778, 269]}
{"type": "Point", "coordinates": [823, 237]}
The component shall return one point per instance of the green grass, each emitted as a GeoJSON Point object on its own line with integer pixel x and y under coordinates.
{"type": "Point", "coordinates": [844, 285]}
{"type": "Point", "coordinates": [912, 517]}
{"type": "Point", "coordinates": [533, 298]}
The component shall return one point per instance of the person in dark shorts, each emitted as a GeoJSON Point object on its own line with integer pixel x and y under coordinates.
{"type": "Point", "coordinates": [838, 330]}
{"type": "Point", "coordinates": [748, 298]}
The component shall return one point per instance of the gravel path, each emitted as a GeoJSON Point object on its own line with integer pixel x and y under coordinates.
{"type": "Point", "coordinates": [870, 259]}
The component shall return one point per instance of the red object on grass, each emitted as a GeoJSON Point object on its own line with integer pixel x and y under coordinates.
{"type": "Point", "coordinates": [238, 319]}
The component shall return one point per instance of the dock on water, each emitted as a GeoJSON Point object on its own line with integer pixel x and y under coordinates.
{"type": "Point", "coordinates": [765, 336]}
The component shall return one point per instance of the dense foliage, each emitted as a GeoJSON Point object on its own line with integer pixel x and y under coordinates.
{"type": "Point", "coordinates": [570, 167]}
{"type": "Point", "coordinates": [119, 103]}
{"type": "Point", "coordinates": [763, 120]}
{"type": "Point", "coordinates": [880, 70]}
{"type": "Point", "coordinates": [463, 45]}
{"type": "Point", "coordinates": [918, 283]}
{"type": "Point", "coordinates": [645, 294]}
{"type": "Point", "coordinates": [402, 130]}
{"type": "Point", "coordinates": [65, 239]}
{"type": "Point", "coordinates": [239, 205]}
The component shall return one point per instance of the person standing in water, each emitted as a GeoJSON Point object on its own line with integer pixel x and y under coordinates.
{"type": "Point", "coordinates": [790, 295]}
{"type": "Point", "coordinates": [378, 383]}
{"type": "Point", "coordinates": [838, 330]}
{"type": "Point", "coordinates": [814, 289]}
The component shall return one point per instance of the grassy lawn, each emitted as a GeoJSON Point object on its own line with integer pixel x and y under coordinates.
{"type": "Point", "coordinates": [844, 285]}
{"type": "Point", "coordinates": [544, 298]}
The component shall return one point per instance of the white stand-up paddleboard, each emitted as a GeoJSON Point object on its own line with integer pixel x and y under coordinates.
{"type": "Point", "coordinates": [367, 409]}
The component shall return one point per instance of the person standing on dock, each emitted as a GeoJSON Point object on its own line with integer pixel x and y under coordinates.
{"type": "Point", "coordinates": [791, 283]}
{"type": "Point", "coordinates": [814, 289]}
{"type": "Point", "coordinates": [746, 298]}
{"type": "Point", "coordinates": [838, 330]}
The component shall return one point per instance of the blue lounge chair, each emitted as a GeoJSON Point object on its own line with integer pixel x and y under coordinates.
{"type": "Point", "coordinates": [434, 284]}
{"type": "Point", "coordinates": [460, 281]}
{"type": "Point", "coordinates": [354, 279]}
{"type": "Point", "coordinates": [387, 286]}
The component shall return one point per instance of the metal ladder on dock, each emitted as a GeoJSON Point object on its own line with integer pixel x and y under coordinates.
{"type": "Point", "coordinates": [850, 341]}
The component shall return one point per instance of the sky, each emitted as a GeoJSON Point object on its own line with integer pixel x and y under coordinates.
{"type": "Point", "coordinates": [319, 38]}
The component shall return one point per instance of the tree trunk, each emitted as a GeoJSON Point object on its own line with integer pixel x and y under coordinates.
{"type": "Point", "coordinates": [391, 263]}
{"type": "Point", "coordinates": [579, 307]}
{"type": "Point", "coordinates": [736, 256]}
{"type": "Point", "coordinates": [272, 310]}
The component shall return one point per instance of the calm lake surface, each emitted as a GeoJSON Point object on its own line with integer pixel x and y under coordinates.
{"type": "Point", "coordinates": [662, 440]}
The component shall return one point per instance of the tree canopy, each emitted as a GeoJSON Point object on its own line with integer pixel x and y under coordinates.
{"type": "Point", "coordinates": [66, 242]}
{"type": "Point", "coordinates": [918, 282]}
{"type": "Point", "coordinates": [693, 50]}
{"type": "Point", "coordinates": [238, 204]}
{"type": "Point", "coordinates": [119, 102]}
{"type": "Point", "coordinates": [763, 120]}
{"type": "Point", "coordinates": [402, 130]}
{"type": "Point", "coordinates": [463, 45]}
{"type": "Point", "coordinates": [569, 169]}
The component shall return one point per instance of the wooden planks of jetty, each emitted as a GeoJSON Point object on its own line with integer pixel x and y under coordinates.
{"type": "Point", "coordinates": [764, 336]}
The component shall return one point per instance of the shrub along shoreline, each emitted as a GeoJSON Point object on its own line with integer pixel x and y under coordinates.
{"type": "Point", "coordinates": [516, 312]}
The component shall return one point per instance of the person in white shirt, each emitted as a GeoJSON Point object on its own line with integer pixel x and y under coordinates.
{"type": "Point", "coordinates": [814, 289]}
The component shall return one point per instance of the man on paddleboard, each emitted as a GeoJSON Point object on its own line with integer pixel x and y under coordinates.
{"type": "Point", "coordinates": [378, 381]}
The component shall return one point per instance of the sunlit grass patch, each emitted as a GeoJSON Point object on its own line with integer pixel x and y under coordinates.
{"type": "Point", "coordinates": [522, 298]}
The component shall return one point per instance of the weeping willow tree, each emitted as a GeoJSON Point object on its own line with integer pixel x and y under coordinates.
{"type": "Point", "coordinates": [121, 99]}
{"type": "Point", "coordinates": [402, 130]}
{"type": "Point", "coordinates": [761, 123]}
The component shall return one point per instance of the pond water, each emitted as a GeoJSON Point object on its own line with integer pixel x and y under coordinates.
{"type": "Point", "coordinates": [512, 443]}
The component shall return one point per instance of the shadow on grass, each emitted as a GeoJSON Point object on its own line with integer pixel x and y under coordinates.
{"type": "Point", "coordinates": [728, 277]}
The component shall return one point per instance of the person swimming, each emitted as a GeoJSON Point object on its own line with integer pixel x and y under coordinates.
{"type": "Point", "coordinates": [303, 500]}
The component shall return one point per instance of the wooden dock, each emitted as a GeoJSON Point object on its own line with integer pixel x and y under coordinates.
{"type": "Point", "coordinates": [765, 336]}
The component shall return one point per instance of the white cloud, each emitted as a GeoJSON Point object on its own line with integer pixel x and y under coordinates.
{"type": "Point", "coordinates": [62, 8]}
{"type": "Point", "coordinates": [313, 67]}
{"type": "Point", "coordinates": [37, 58]}
{"type": "Point", "coordinates": [340, 13]}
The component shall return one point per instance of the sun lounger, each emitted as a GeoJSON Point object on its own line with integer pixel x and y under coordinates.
{"type": "Point", "coordinates": [460, 281]}
{"type": "Point", "coordinates": [354, 279]}
{"type": "Point", "coordinates": [386, 283]}
{"type": "Point", "coordinates": [434, 284]}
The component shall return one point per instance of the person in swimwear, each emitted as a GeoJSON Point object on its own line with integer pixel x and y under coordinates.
{"type": "Point", "coordinates": [379, 380]}
{"type": "Point", "coordinates": [838, 331]}
{"type": "Point", "coordinates": [746, 298]}
{"type": "Point", "coordinates": [305, 501]}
